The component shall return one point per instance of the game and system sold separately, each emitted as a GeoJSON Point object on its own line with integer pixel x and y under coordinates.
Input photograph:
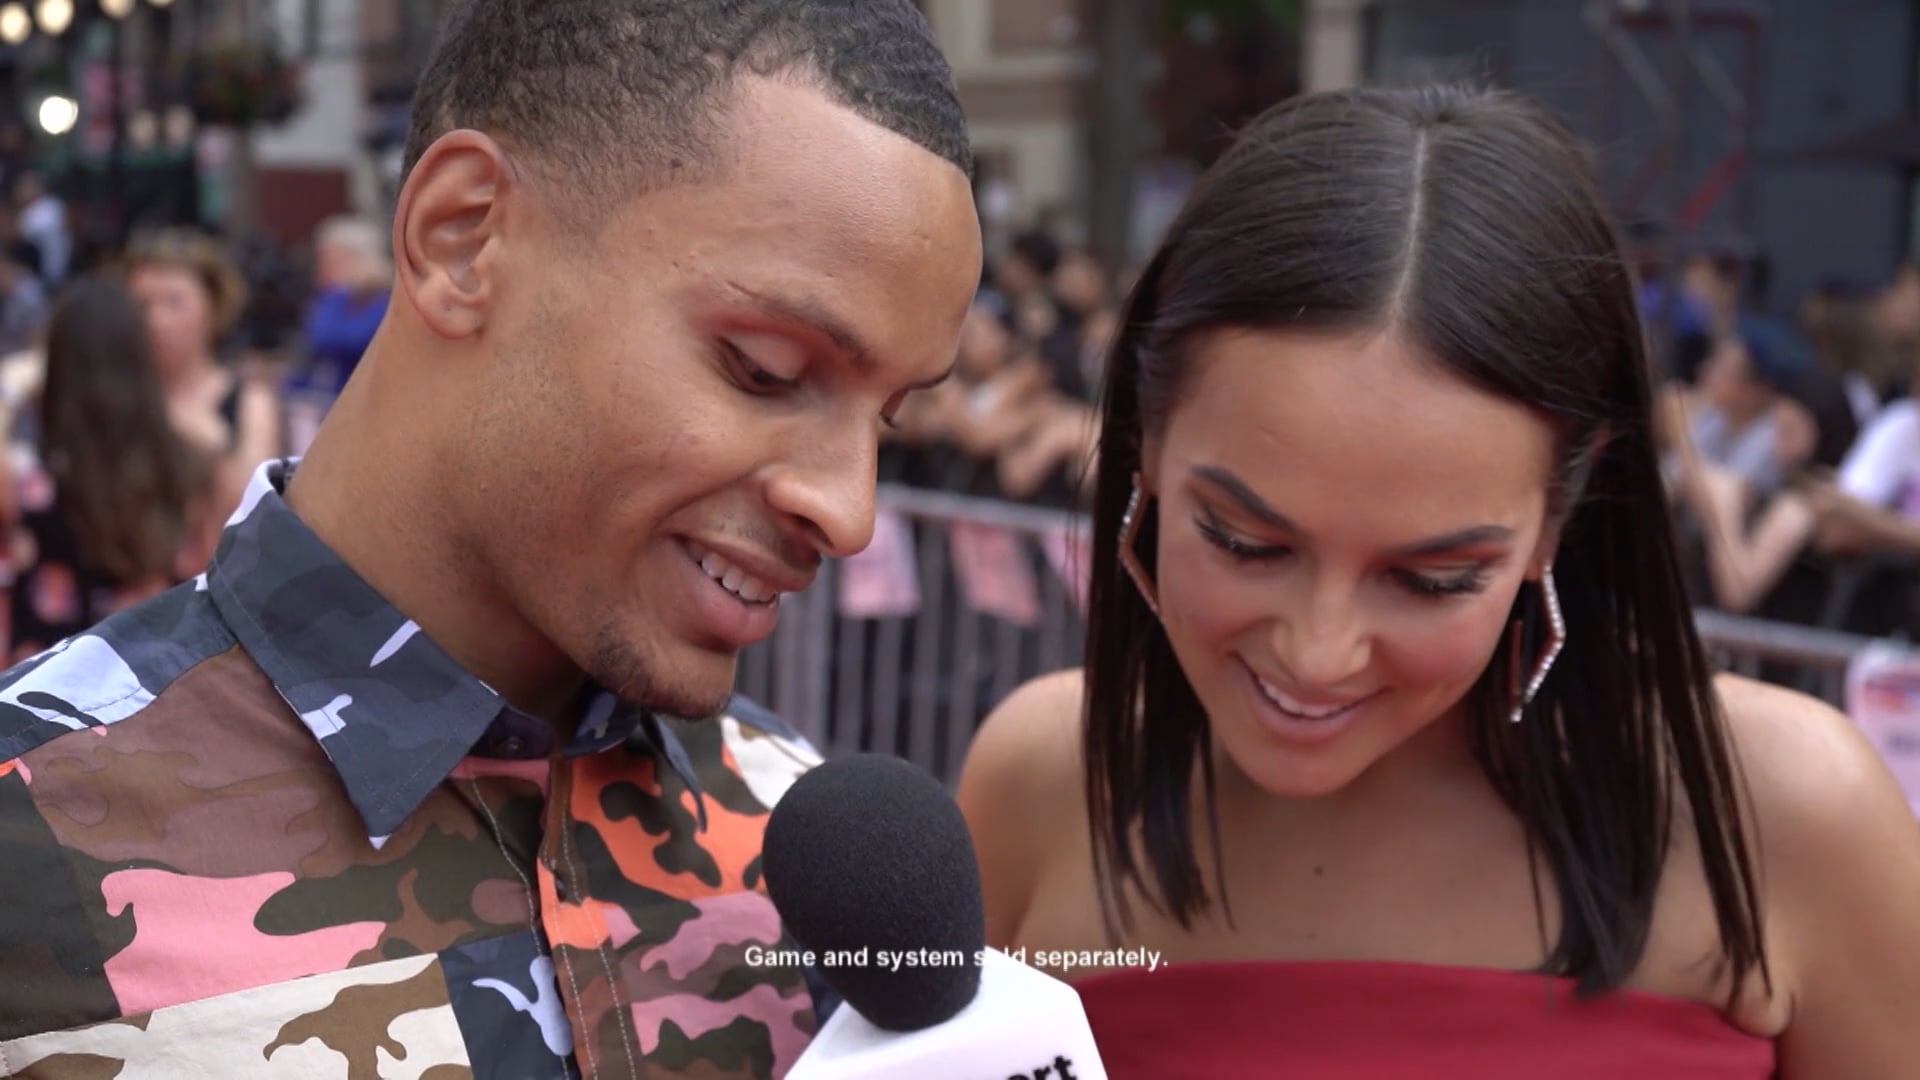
{"type": "Point", "coordinates": [897, 959]}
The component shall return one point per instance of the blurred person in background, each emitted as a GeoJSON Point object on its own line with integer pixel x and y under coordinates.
{"type": "Point", "coordinates": [42, 221]}
{"type": "Point", "coordinates": [1010, 433]}
{"type": "Point", "coordinates": [1896, 310]}
{"type": "Point", "coordinates": [1771, 551]}
{"type": "Point", "coordinates": [1838, 320]}
{"type": "Point", "coordinates": [1713, 280]}
{"type": "Point", "coordinates": [1082, 286]}
{"type": "Point", "coordinates": [956, 429]}
{"type": "Point", "coordinates": [1706, 309]}
{"type": "Point", "coordinates": [1025, 280]}
{"type": "Point", "coordinates": [23, 299]}
{"type": "Point", "coordinates": [1869, 510]}
{"type": "Point", "coordinates": [1739, 416]}
{"type": "Point", "coordinates": [999, 384]}
{"type": "Point", "coordinates": [1396, 740]}
{"type": "Point", "coordinates": [112, 506]}
{"type": "Point", "coordinates": [193, 297]}
{"type": "Point", "coordinates": [1022, 277]}
{"type": "Point", "coordinates": [352, 276]}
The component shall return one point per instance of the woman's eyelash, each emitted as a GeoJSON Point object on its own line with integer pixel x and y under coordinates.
{"type": "Point", "coordinates": [1236, 547]}
{"type": "Point", "coordinates": [1465, 584]}
{"type": "Point", "coordinates": [1462, 584]}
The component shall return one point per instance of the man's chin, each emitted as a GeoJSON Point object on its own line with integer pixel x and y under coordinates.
{"type": "Point", "coordinates": [691, 708]}
{"type": "Point", "coordinates": [693, 687]}
{"type": "Point", "coordinates": [700, 698]}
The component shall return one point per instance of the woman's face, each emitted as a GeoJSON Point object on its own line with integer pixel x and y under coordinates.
{"type": "Point", "coordinates": [1343, 527]}
{"type": "Point", "coordinates": [179, 314]}
{"type": "Point", "coordinates": [1727, 382]}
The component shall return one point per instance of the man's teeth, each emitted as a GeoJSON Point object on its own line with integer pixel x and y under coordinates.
{"type": "Point", "coordinates": [735, 580]}
{"type": "Point", "coordinates": [1300, 708]}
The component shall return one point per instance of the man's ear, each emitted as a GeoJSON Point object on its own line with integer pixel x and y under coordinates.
{"type": "Point", "coordinates": [447, 231]}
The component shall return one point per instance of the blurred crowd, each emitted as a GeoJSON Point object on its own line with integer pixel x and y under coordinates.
{"type": "Point", "coordinates": [1792, 446]}
{"type": "Point", "coordinates": [1017, 420]}
{"type": "Point", "coordinates": [140, 388]}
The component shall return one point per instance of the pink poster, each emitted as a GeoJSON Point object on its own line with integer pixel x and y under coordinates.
{"type": "Point", "coordinates": [1071, 557]}
{"type": "Point", "coordinates": [1883, 697]}
{"type": "Point", "coordinates": [883, 581]}
{"type": "Point", "coordinates": [995, 577]}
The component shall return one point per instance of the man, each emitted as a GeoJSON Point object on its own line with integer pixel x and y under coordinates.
{"type": "Point", "coordinates": [393, 788]}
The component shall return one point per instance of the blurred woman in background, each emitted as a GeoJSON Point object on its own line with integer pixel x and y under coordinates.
{"type": "Point", "coordinates": [193, 298]}
{"type": "Point", "coordinates": [113, 507]}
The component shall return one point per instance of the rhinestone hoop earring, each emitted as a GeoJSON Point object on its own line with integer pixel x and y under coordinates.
{"type": "Point", "coordinates": [1556, 639]}
{"type": "Point", "coordinates": [1130, 556]}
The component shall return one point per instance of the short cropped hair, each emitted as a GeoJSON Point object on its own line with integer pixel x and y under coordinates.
{"type": "Point", "coordinates": [617, 97]}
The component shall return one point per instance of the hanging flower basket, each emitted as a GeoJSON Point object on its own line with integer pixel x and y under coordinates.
{"type": "Point", "coordinates": [243, 86]}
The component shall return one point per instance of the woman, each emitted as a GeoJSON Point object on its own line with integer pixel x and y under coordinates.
{"type": "Point", "coordinates": [193, 297]}
{"type": "Point", "coordinates": [1743, 416]}
{"type": "Point", "coordinates": [111, 506]}
{"type": "Point", "coordinates": [1394, 738]}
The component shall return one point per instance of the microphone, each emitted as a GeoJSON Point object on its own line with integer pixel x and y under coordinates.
{"type": "Point", "coordinates": [871, 867]}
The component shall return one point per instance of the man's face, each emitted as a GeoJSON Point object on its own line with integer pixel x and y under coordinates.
{"type": "Point", "coordinates": [679, 421]}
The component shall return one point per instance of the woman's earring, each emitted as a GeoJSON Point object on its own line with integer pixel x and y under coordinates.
{"type": "Point", "coordinates": [1130, 555]}
{"type": "Point", "coordinates": [1522, 696]}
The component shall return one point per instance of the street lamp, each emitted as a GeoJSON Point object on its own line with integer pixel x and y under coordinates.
{"type": "Point", "coordinates": [117, 9]}
{"type": "Point", "coordinates": [58, 115]}
{"type": "Point", "coordinates": [15, 24]}
{"type": "Point", "coordinates": [161, 3]}
{"type": "Point", "coordinates": [54, 16]}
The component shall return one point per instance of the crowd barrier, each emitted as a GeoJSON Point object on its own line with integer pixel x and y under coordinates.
{"type": "Point", "coordinates": [958, 600]}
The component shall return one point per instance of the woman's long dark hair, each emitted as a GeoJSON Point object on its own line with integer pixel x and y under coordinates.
{"type": "Point", "coordinates": [124, 479]}
{"type": "Point", "coordinates": [1468, 221]}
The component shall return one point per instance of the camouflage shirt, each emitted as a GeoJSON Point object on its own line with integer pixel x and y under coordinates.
{"type": "Point", "coordinates": [261, 826]}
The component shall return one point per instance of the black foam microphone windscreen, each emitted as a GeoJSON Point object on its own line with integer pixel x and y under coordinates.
{"type": "Point", "coordinates": [871, 867]}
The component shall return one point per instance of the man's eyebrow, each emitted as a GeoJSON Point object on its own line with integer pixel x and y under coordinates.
{"type": "Point", "coordinates": [820, 319]}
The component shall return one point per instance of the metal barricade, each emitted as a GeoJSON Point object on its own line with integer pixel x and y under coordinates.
{"type": "Point", "coordinates": [916, 681]}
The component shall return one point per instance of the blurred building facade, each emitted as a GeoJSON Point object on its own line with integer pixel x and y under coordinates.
{"type": "Point", "coordinates": [1716, 133]}
{"type": "Point", "coordinates": [1024, 70]}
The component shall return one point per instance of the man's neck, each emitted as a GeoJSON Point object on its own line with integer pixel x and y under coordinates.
{"type": "Point", "coordinates": [368, 488]}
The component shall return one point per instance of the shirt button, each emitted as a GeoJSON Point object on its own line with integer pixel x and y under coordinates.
{"type": "Point", "coordinates": [512, 745]}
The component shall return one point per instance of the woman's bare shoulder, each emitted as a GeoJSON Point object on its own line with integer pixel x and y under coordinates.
{"type": "Point", "coordinates": [1029, 745]}
{"type": "Point", "coordinates": [1805, 762]}
{"type": "Point", "coordinates": [1839, 848]}
{"type": "Point", "coordinates": [1807, 769]}
{"type": "Point", "coordinates": [1021, 792]}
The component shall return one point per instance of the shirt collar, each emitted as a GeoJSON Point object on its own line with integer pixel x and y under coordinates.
{"type": "Point", "coordinates": [392, 710]}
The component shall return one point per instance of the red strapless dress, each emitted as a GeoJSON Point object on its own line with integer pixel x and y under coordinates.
{"type": "Point", "coordinates": [1388, 1021]}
